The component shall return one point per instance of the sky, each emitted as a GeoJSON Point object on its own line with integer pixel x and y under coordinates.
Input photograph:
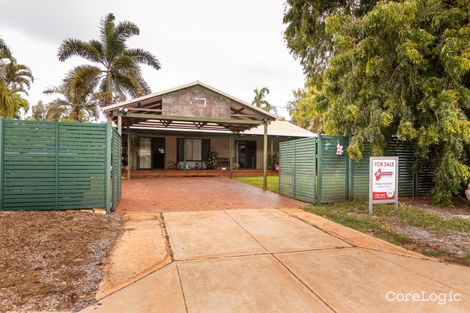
{"type": "Point", "coordinates": [234, 46]}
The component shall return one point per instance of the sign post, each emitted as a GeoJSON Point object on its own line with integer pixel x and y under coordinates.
{"type": "Point", "coordinates": [383, 181]}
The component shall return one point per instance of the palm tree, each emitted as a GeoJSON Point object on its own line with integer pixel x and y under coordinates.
{"type": "Point", "coordinates": [15, 80]}
{"type": "Point", "coordinates": [117, 73]}
{"type": "Point", "coordinates": [261, 102]}
{"type": "Point", "coordinates": [75, 104]}
{"type": "Point", "coordinates": [54, 111]}
{"type": "Point", "coordinates": [18, 77]}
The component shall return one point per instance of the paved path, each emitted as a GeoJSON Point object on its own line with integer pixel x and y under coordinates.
{"type": "Point", "coordinates": [170, 194]}
{"type": "Point", "coordinates": [270, 260]}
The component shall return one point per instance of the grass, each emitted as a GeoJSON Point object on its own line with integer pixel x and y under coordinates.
{"type": "Point", "coordinates": [273, 182]}
{"type": "Point", "coordinates": [383, 224]}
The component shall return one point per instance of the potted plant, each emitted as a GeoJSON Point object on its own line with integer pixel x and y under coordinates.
{"type": "Point", "coordinates": [212, 160]}
{"type": "Point", "coordinates": [273, 162]}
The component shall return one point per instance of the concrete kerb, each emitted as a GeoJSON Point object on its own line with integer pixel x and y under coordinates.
{"type": "Point", "coordinates": [352, 236]}
{"type": "Point", "coordinates": [142, 228]}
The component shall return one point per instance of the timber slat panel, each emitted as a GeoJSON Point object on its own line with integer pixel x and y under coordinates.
{"type": "Point", "coordinates": [54, 165]}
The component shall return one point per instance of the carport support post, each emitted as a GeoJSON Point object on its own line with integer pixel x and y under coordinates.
{"type": "Point", "coordinates": [230, 163]}
{"type": "Point", "coordinates": [265, 155]}
{"type": "Point", "coordinates": [129, 157]}
{"type": "Point", "coordinates": [107, 176]}
{"type": "Point", "coordinates": [119, 124]}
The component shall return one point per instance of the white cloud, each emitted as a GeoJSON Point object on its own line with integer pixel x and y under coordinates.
{"type": "Point", "coordinates": [235, 46]}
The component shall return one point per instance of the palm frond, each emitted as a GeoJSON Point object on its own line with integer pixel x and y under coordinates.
{"type": "Point", "coordinates": [75, 47]}
{"type": "Point", "coordinates": [144, 57]}
{"type": "Point", "coordinates": [125, 29]}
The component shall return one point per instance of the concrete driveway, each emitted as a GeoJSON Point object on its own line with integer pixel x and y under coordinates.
{"type": "Point", "coordinates": [269, 260]}
{"type": "Point", "coordinates": [167, 194]}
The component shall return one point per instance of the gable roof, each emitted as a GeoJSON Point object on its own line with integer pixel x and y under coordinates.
{"type": "Point", "coordinates": [126, 103]}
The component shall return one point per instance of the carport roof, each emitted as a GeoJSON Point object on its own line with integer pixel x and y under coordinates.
{"type": "Point", "coordinates": [146, 112]}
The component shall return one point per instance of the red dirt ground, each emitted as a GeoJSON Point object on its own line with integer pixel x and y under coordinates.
{"type": "Point", "coordinates": [196, 194]}
{"type": "Point", "coordinates": [53, 260]}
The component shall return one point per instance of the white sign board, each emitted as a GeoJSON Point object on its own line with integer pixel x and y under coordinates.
{"type": "Point", "coordinates": [383, 181]}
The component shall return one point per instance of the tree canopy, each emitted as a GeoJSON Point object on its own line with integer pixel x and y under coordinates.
{"type": "Point", "coordinates": [260, 100]}
{"type": "Point", "coordinates": [303, 109]}
{"type": "Point", "coordinates": [402, 69]}
{"type": "Point", "coordinates": [15, 81]}
{"type": "Point", "coordinates": [117, 72]}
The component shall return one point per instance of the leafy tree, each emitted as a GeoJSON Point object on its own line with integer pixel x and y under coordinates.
{"type": "Point", "coordinates": [117, 71]}
{"type": "Point", "coordinates": [260, 100]}
{"type": "Point", "coordinates": [304, 109]}
{"type": "Point", "coordinates": [305, 33]}
{"type": "Point", "coordinates": [403, 69]}
{"type": "Point", "coordinates": [15, 80]}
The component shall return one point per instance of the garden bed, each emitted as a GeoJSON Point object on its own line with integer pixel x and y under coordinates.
{"type": "Point", "coordinates": [53, 260]}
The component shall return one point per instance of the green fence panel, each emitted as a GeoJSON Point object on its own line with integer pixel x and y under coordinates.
{"type": "Point", "coordinates": [339, 178]}
{"type": "Point", "coordinates": [333, 185]}
{"type": "Point", "coordinates": [360, 173]}
{"type": "Point", "coordinates": [406, 158]}
{"type": "Point", "coordinates": [305, 169]}
{"type": "Point", "coordinates": [52, 165]}
{"type": "Point", "coordinates": [287, 168]}
{"type": "Point", "coordinates": [81, 166]}
{"type": "Point", "coordinates": [424, 180]}
{"type": "Point", "coordinates": [297, 169]}
{"type": "Point", "coordinates": [116, 174]}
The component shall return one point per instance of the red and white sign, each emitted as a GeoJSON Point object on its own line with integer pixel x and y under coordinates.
{"type": "Point", "coordinates": [384, 179]}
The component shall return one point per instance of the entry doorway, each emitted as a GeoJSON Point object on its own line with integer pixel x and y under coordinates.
{"type": "Point", "coordinates": [246, 153]}
{"type": "Point", "coordinates": [151, 153]}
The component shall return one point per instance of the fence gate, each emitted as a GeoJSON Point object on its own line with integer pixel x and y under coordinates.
{"type": "Point", "coordinates": [297, 169]}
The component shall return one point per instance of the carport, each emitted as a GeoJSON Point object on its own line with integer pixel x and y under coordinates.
{"type": "Point", "coordinates": [194, 107]}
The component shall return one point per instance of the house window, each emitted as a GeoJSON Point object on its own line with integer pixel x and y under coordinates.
{"type": "Point", "coordinates": [192, 149]}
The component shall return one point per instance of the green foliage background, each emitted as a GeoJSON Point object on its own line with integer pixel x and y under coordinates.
{"type": "Point", "coordinates": [393, 69]}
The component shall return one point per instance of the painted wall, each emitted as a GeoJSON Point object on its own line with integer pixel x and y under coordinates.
{"type": "Point", "coordinates": [184, 103]}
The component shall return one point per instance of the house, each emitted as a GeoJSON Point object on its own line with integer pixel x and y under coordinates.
{"type": "Point", "coordinates": [176, 128]}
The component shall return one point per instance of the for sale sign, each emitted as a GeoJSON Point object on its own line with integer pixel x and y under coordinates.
{"type": "Point", "coordinates": [383, 186]}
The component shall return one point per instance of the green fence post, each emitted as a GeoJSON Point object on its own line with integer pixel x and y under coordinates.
{"type": "Point", "coordinates": [2, 133]}
{"type": "Point", "coordinates": [320, 168]}
{"type": "Point", "coordinates": [295, 170]}
{"type": "Point", "coordinates": [56, 206]}
{"type": "Point", "coordinates": [350, 177]}
{"type": "Point", "coordinates": [107, 175]}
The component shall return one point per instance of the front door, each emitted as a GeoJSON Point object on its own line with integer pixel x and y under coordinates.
{"type": "Point", "coordinates": [158, 153]}
{"type": "Point", "coordinates": [246, 153]}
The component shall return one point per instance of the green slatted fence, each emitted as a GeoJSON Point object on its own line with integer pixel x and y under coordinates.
{"type": "Point", "coordinates": [55, 166]}
{"type": "Point", "coordinates": [336, 177]}
{"type": "Point", "coordinates": [333, 169]}
{"type": "Point", "coordinates": [297, 169]}
{"type": "Point", "coordinates": [116, 174]}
